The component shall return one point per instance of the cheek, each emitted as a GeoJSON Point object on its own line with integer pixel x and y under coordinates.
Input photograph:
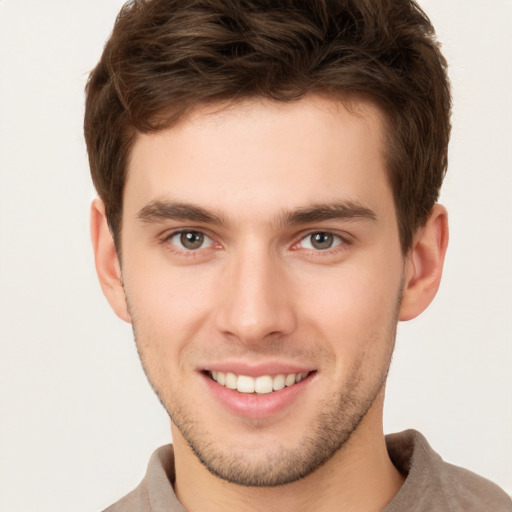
{"type": "Point", "coordinates": [355, 308]}
{"type": "Point", "coordinates": [160, 291]}
{"type": "Point", "coordinates": [354, 294]}
{"type": "Point", "coordinates": [168, 305]}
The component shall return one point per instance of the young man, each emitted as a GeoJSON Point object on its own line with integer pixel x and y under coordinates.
{"type": "Point", "coordinates": [268, 173]}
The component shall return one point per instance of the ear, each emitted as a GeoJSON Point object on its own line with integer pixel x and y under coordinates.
{"type": "Point", "coordinates": [424, 264]}
{"type": "Point", "coordinates": [107, 261]}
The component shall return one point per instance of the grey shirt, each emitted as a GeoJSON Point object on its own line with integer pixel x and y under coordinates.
{"type": "Point", "coordinates": [431, 484]}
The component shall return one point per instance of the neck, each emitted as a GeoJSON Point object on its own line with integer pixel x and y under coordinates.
{"type": "Point", "coordinates": [360, 476]}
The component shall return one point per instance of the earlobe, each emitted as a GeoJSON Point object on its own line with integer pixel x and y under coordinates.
{"type": "Point", "coordinates": [424, 264]}
{"type": "Point", "coordinates": [107, 261]}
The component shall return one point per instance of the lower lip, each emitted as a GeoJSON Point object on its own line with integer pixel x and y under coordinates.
{"type": "Point", "coordinates": [252, 405]}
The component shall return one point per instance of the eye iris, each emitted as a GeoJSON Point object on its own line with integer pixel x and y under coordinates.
{"type": "Point", "coordinates": [322, 240]}
{"type": "Point", "coordinates": [191, 239]}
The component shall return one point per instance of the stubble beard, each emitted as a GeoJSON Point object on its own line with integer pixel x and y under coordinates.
{"type": "Point", "coordinates": [330, 432]}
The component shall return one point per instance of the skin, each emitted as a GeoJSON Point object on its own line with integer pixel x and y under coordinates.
{"type": "Point", "coordinates": [258, 293]}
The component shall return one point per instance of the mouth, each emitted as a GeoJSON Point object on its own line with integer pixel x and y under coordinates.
{"type": "Point", "coordinates": [260, 385]}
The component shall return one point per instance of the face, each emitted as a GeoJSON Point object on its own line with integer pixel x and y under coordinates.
{"type": "Point", "coordinates": [263, 273]}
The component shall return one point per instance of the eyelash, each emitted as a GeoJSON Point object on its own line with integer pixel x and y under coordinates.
{"type": "Point", "coordinates": [190, 252]}
{"type": "Point", "coordinates": [340, 240]}
{"type": "Point", "coordinates": [337, 241]}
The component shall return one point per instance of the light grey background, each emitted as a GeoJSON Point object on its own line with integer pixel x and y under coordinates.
{"type": "Point", "coordinates": [77, 418]}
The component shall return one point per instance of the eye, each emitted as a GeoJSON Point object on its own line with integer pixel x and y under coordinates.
{"type": "Point", "coordinates": [190, 240]}
{"type": "Point", "coordinates": [320, 241]}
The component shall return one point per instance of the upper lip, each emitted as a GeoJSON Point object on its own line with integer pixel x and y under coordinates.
{"type": "Point", "coordinates": [256, 369]}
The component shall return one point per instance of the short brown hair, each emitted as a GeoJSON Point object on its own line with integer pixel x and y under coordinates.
{"type": "Point", "coordinates": [165, 57]}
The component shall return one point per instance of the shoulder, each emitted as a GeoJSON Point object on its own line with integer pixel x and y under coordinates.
{"type": "Point", "coordinates": [135, 501]}
{"type": "Point", "coordinates": [155, 492]}
{"type": "Point", "coordinates": [468, 492]}
{"type": "Point", "coordinates": [126, 504]}
{"type": "Point", "coordinates": [433, 484]}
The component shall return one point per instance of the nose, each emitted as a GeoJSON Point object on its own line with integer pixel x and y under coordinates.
{"type": "Point", "coordinates": [257, 300]}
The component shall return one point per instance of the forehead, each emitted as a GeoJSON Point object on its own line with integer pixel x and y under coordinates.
{"type": "Point", "coordinates": [257, 157]}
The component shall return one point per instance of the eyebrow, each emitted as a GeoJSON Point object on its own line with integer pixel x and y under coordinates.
{"type": "Point", "coordinates": [158, 211]}
{"type": "Point", "coordinates": [343, 210]}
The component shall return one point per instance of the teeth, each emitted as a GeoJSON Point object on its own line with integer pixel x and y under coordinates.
{"type": "Point", "coordinates": [231, 380]}
{"type": "Point", "coordinates": [261, 385]}
{"type": "Point", "coordinates": [300, 376]}
{"type": "Point", "coordinates": [278, 382]}
{"type": "Point", "coordinates": [290, 379]}
{"type": "Point", "coordinates": [245, 384]}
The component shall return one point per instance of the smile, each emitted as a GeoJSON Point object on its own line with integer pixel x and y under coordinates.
{"type": "Point", "coordinates": [263, 384]}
